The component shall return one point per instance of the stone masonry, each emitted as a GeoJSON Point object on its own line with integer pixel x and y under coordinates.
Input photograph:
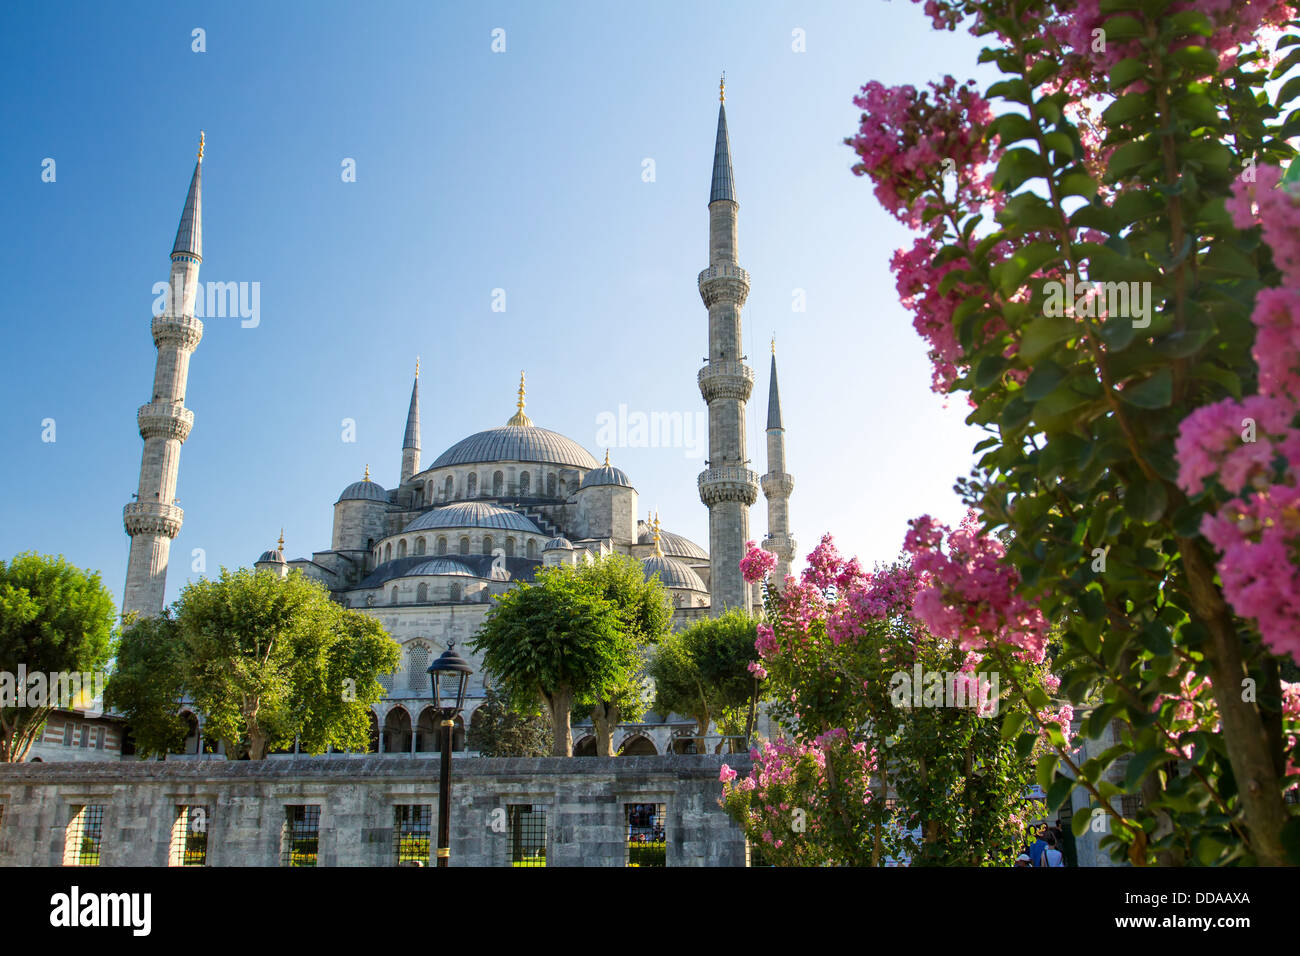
{"type": "Point", "coordinates": [246, 801]}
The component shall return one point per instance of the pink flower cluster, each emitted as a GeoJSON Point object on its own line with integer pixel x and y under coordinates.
{"type": "Point", "coordinates": [906, 137]}
{"type": "Point", "coordinates": [827, 569]}
{"type": "Point", "coordinates": [1062, 717]}
{"type": "Point", "coordinates": [757, 563]}
{"type": "Point", "coordinates": [968, 593]}
{"type": "Point", "coordinates": [1252, 447]}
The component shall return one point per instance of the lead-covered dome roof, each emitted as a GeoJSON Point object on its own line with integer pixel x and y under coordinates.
{"type": "Point", "coordinates": [606, 474]}
{"type": "Point", "coordinates": [364, 490]}
{"type": "Point", "coordinates": [473, 514]}
{"type": "Point", "coordinates": [673, 544]}
{"type": "Point", "coordinates": [443, 566]}
{"type": "Point", "coordinates": [672, 573]}
{"type": "Point", "coordinates": [516, 443]}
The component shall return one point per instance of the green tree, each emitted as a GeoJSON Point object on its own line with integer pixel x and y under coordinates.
{"type": "Point", "coordinates": [54, 618]}
{"type": "Point", "coordinates": [644, 613]}
{"type": "Point", "coordinates": [557, 639]}
{"type": "Point", "coordinates": [264, 659]}
{"type": "Point", "coordinates": [703, 672]}
{"type": "Point", "coordinates": [504, 726]}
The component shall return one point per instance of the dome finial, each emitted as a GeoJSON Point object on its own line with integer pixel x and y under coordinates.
{"type": "Point", "coordinates": [659, 553]}
{"type": "Point", "coordinates": [773, 343]}
{"type": "Point", "coordinates": [366, 476]}
{"type": "Point", "coordinates": [280, 543]}
{"type": "Point", "coordinates": [519, 418]}
{"type": "Point", "coordinates": [722, 88]}
{"type": "Point", "coordinates": [417, 366]}
{"type": "Point", "coordinates": [606, 457]}
{"type": "Point", "coordinates": [200, 157]}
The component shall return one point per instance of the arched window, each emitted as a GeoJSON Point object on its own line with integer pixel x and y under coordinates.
{"type": "Point", "coordinates": [419, 496]}
{"type": "Point", "coordinates": [442, 544]}
{"type": "Point", "coordinates": [422, 594]}
{"type": "Point", "coordinates": [532, 548]}
{"type": "Point", "coordinates": [498, 484]}
{"type": "Point", "coordinates": [401, 548]}
{"type": "Point", "coordinates": [487, 544]}
{"type": "Point", "coordinates": [417, 665]}
{"type": "Point", "coordinates": [420, 545]}
{"type": "Point", "coordinates": [397, 731]}
{"type": "Point", "coordinates": [550, 485]}
{"type": "Point", "coordinates": [427, 739]}
{"type": "Point", "coordinates": [563, 488]}
{"type": "Point", "coordinates": [464, 544]}
{"type": "Point", "coordinates": [394, 594]}
{"type": "Point", "coordinates": [370, 545]}
{"type": "Point", "coordinates": [447, 488]}
{"type": "Point", "coordinates": [510, 547]}
{"type": "Point", "coordinates": [388, 551]}
{"type": "Point", "coordinates": [523, 483]}
{"type": "Point", "coordinates": [454, 592]}
{"type": "Point", "coordinates": [471, 485]}
{"type": "Point", "coordinates": [428, 491]}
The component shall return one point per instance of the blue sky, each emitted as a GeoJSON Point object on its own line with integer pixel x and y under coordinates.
{"type": "Point", "coordinates": [475, 171]}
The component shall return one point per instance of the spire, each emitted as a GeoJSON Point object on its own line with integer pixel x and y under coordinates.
{"type": "Point", "coordinates": [519, 418]}
{"type": "Point", "coordinates": [189, 235]}
{"type": "Point", "coordinates": [654, 529]}
{"type": "Point", "coordinates": [773, 396]}
{"type": "Point", "coordinates": [279, 545]}
{"type": "Point", "coordinates": [724, 186]}
{"type": "Point", "coordinates": [606, 457]}
{"type": "Point", "coordinates": [412, 439]}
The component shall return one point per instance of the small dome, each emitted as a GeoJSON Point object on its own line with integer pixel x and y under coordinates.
{"type": "Point", "coordinates": [672, 573]}
{"type": "Point", "coordinates": [558, 543]}
{"type": "Point", "coordinates": [606, 475]}
{"type": "Point", "coordinates": [271, 557]}
{"type": "Point", "coordinates": [443, 566]}
{"type": "Point", "coordinates": [473, 514]}
{"type": "Point", "coordinates": [364, 490]}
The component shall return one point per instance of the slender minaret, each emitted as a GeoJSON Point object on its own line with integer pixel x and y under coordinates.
{"type": "Point", "coordinates": [153, 519]}
{"type": "Point", "coordinates": [777, 485]}
{"type": "Point", "coordinates": [727, 485]}
{"type": "Point", "coordinates": [411, 443]}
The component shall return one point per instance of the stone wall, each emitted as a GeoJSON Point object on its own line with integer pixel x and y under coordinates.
{"type": "Point", "coordinates": [246, 807]}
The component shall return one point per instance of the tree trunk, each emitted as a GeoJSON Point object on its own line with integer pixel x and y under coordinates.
{"type": "Point", "coordinates": [560, 701]}
{"type": "Point", "coordinates": [604, 718]}
{"type": "Point", "coordinates": [753, 715]}
{"type": "Point", "coordinates": [702, 724]}
{"type": "Point", "coordinates": [1244, 732]}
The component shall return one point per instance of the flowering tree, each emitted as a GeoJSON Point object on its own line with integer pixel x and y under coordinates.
{"type": "Point", "coordinates": [894, 753]}
{"type": "Point", "coordinates": [1106, 267]}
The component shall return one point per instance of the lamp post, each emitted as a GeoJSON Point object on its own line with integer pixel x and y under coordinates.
{"type": "Point", "coordinates": [449, 675]}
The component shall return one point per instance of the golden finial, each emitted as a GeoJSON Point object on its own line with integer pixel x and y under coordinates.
{"type": "Point", "coordinates": [200, 145]}
{"type": "Point", "coordinates": [659, 553]}
{"type": "Point", "coordinates": [366, 476]}
{"type": "Point", "coordinates": [606, 457]}
{"type": "Point", "coordinates": [722, 88]}
{"type": "Point", "coordinates": [417, 366]}
{"type": "Point", "coordinates": [280, 543]}
{"type": "Point", "coordinates": [773, 343]}
{"type": "Point", "coordinates": [519, 418]}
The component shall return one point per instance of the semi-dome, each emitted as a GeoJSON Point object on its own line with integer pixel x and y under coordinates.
{"type": "Point", "coordinates": [558, 543]}
{"type": "Point", "coordinates": [606, 474]}
{"type": "Point", "coordinates": [672, 573]}
{"type": "Point", "coordinates": [516, 443]}
{"type": "Point", "coordinates": [473, 514]}
{"type": "Point", "coordinates": [364, 490]}
{"type": "Point", "coordinates": [442, 566]}
{"type": "Point", "coordinates": [673, 544]}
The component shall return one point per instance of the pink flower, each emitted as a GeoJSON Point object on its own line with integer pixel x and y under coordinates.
{"type": "Point", "coordinates": [756, 563]}
{"type": "Point", "coordinates": [726, 774]}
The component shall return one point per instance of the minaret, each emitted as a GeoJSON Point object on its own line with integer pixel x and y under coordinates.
{"type": "Point", "coordinates": [777, 485]}
{"type": "Point", "coordinates": [153, 519]}
{"type": "Point", "coordinates": [727, 486]}
{"type": "Point", "coordinates": [411, 443]}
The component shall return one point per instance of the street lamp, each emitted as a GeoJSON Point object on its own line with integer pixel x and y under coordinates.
{"type": "Point", "coordinates": [449, 675]}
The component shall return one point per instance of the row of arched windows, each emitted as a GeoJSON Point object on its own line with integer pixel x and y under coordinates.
{"type": "Point", "coordinates": [419, 547]}
{"type": "Point", "coordinates": [455, 592]}
{"type": "Point", "coordinates": [555, 487]}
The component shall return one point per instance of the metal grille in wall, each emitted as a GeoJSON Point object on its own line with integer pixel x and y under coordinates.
{"type": "Point", "coordinates": [189, 846]}
{"type": "Point", "coordinates": [412, 832]}
{"type": "Point", "coordinates": [84, 838]}
{"type": "Point", "coordinates": [646, 843]}
{"type": "Point", "coordinates": [301, 840]}
{"type": "Point", "coordinates": [527, 834]}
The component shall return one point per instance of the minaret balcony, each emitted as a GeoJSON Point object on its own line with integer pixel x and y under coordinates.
{"type": "Point", "coordinates": [731, 380]}
{"type": "Point", "coordinates": [724, 283]}
{"type": "Point", "coordinates": [728, 483]}
{"type": "Point", "coordinates": [164, 420]}
{"type": "Point", "coordinates": [181, 331]}
{"type": "Point", "coordinates": [778, 484]}
{"type": "Point", "coordinates": [152, 517]}
{"type": "Point", "coordinates": [782, 545]}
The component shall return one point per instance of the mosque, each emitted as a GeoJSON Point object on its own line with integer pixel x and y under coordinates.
{"type": "Point", "coordinates": [426, 557]}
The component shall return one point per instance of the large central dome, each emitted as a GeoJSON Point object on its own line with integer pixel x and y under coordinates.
{"type": "Point", "coordinates": [516, 443]}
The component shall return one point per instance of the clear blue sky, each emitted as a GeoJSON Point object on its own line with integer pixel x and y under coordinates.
{"type": "Point", "coordinates": [475, 171]}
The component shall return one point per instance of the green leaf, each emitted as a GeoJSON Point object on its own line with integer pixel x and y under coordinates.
{"type": "Point", "coordinates": [1042, 335]}
{"type": "Point", "coordinates": [1059, 791]}
{"type": "Point", "coordinates": [1012, 724]}
{"type": "Point", "coordinates": [1123, 27]}
{"type": "Point", "coordinates": [1016, 167]}
{"type": "Point", "coordinates": [1139, 765]}
{"type": "Point", "coordinates": [1129, 158]}
{"type": "Point", "coordinates": [1157, 391]}
{"type": "Point", "coordinates": [1146, 500]}
{"type": "Point", "coordinates": [1129, 107]}
{"type": "Point", "coordinates": [1126, 71]}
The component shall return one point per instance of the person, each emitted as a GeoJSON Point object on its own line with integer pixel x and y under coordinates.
{"type": "Point", "coordinates": [1039, 845]}
{"type": "Point", "coordinates": [1051, 855]}
{"type": "Point", "coordinates": [1022, 860]}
